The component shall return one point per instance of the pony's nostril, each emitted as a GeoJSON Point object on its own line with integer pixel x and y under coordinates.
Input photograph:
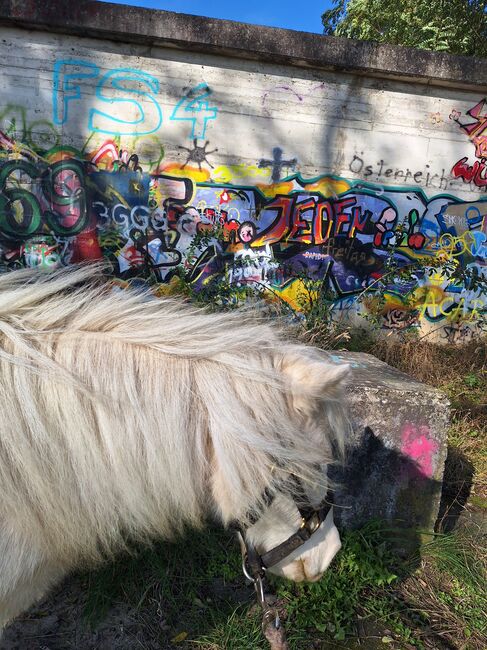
{"type": "Point", "coordinates": [298, 571]}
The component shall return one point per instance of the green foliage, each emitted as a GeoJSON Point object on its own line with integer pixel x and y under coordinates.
{"type": "Point", "coordinates": [455, 26]}
{"type": "Point", "coordinates": [463, 558]}
{"type": "Point", "coordinates": [240, 631]}
{"type": "Point", "coordinates": [465, 603]}
{"type": "Point", "coordinates": [331, 605]}
{"type": "Point", "coordinates": [459, 575]}
{"type": "Point", "coordinates": [199, 593]}
{"type": "Point", "coordinates": [471, 380]}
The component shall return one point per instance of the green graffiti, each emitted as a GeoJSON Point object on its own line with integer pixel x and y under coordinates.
{"type": "Point", "coordinates": [20, 212]}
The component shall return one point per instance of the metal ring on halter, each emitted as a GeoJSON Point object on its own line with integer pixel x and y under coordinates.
{"type": "Point", "coordinates": [259, 590]}
{"type": "Point", "coordinates": [311, 519]}
{"type": "Point", "coordinates": [245, 571]}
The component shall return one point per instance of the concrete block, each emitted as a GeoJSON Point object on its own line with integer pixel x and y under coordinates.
{"type": "Point", "coordinates": [396, 448]}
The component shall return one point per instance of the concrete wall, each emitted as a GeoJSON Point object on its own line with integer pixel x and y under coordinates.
{"type": "Point", "coordinates": [245, 156]}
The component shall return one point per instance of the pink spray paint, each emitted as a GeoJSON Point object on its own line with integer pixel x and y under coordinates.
{"type": "Point", "coordinates": [419, 446]}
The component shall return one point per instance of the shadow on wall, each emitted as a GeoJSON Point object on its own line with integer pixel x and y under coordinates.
{"type": "Point", "coordinates": [411, 498]}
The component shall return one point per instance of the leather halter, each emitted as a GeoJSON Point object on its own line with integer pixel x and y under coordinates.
{"type": "Point", "coordinates": [254, 564]}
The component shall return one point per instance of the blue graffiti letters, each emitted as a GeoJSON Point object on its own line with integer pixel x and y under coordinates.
{"type": "Point", "coordinates": [64, 87]}
{"type": "Point", "coordinates": [195, 108]}
{"type": "Point", "coordinates": [147, 120]}
{"type": "Point", "coordinates": [130, 100]}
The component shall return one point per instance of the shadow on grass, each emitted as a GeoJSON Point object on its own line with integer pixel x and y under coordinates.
{"type": "Point", "coordinates": [457, 484]}
{"type": "Point", "coordinates": [200, 593]}
{"type": "Point", "coordinates": [181, 589]}
{"type": "Point", "coordinates": [191, 593]}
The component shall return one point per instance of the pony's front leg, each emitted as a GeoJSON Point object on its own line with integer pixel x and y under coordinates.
{"type": "Point", "coordinates": [26, 574]}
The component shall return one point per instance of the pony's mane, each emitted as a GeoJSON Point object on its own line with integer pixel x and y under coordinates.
{"type": "Point", "coordinates": [121, 408]}
{"type": "Point", "coordinates": [79, 299]}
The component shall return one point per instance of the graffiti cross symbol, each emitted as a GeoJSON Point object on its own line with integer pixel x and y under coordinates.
{"type": "Point", "coordinates": [277, 164]}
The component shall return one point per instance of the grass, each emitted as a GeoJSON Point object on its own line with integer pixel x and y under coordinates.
{"type": "Point", "coordinates": [449, 591]}
{"type": "Point", "coordinates": [175, 587]}
{"type": "Point", "coordinates": [192, 594]}
{"type": "Point", "coordinates": [196, 588]}
{"type": "Point", "coordinates": [331, 605]}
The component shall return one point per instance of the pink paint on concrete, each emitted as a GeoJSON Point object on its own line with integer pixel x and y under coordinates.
{"type": "Point", "coordinates": [419, 446]}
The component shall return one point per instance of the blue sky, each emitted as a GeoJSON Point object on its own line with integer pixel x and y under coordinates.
{"type": "Point", "coordinates": [304, 16]}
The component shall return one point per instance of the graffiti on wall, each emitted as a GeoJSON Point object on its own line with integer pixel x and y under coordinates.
{"type": "Point", "coordinates": [129, 98]}
{"type": "Point", "coordinates": [474, 125]}
{"type": "Point", "coordinates": [261, 227]}
{"type": "Point", "coordinates": [64, 206]}
{"type": "Point", "coordinates": [382, 171]}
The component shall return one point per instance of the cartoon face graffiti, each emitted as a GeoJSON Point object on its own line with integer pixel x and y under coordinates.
{"type": "Point", "coordinates": [247, 232]}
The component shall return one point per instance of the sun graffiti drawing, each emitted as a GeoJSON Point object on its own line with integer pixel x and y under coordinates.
{"type": "Point", "coordinates": [198, 154]}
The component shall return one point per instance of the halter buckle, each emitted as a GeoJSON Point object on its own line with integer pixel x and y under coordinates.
{"type": "Point", "coordinates": [314, 522]}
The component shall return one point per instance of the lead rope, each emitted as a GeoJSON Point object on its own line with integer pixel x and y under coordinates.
{"type": "Point", "coordinates": [253, 565]}
{"type": "Point", "coordinates": [271, 623]}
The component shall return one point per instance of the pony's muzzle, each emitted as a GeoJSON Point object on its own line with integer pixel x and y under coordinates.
{"type": "Point", "coordinates": [310, 562]}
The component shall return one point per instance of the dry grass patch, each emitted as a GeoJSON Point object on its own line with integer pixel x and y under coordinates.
{"type": "Point", "coordinates": [432, 363]}
{"type": "Point", "coordinates": [448, 592]}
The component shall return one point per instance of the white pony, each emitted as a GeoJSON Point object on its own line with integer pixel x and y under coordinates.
{"type": "Point", "coordinates": [125, 418]}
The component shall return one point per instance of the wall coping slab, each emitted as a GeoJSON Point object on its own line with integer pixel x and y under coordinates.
{"type": "Point", "coordinates": [234, 39]}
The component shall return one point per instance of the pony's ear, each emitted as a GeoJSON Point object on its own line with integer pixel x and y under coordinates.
{"type": "Point", "coordinates": [310, 379]}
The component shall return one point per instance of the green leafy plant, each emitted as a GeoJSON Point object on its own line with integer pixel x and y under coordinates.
{"type": "Point", "coordinates": [456, 26]}
{"type": "Point", "coordinates": [331, 605]}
